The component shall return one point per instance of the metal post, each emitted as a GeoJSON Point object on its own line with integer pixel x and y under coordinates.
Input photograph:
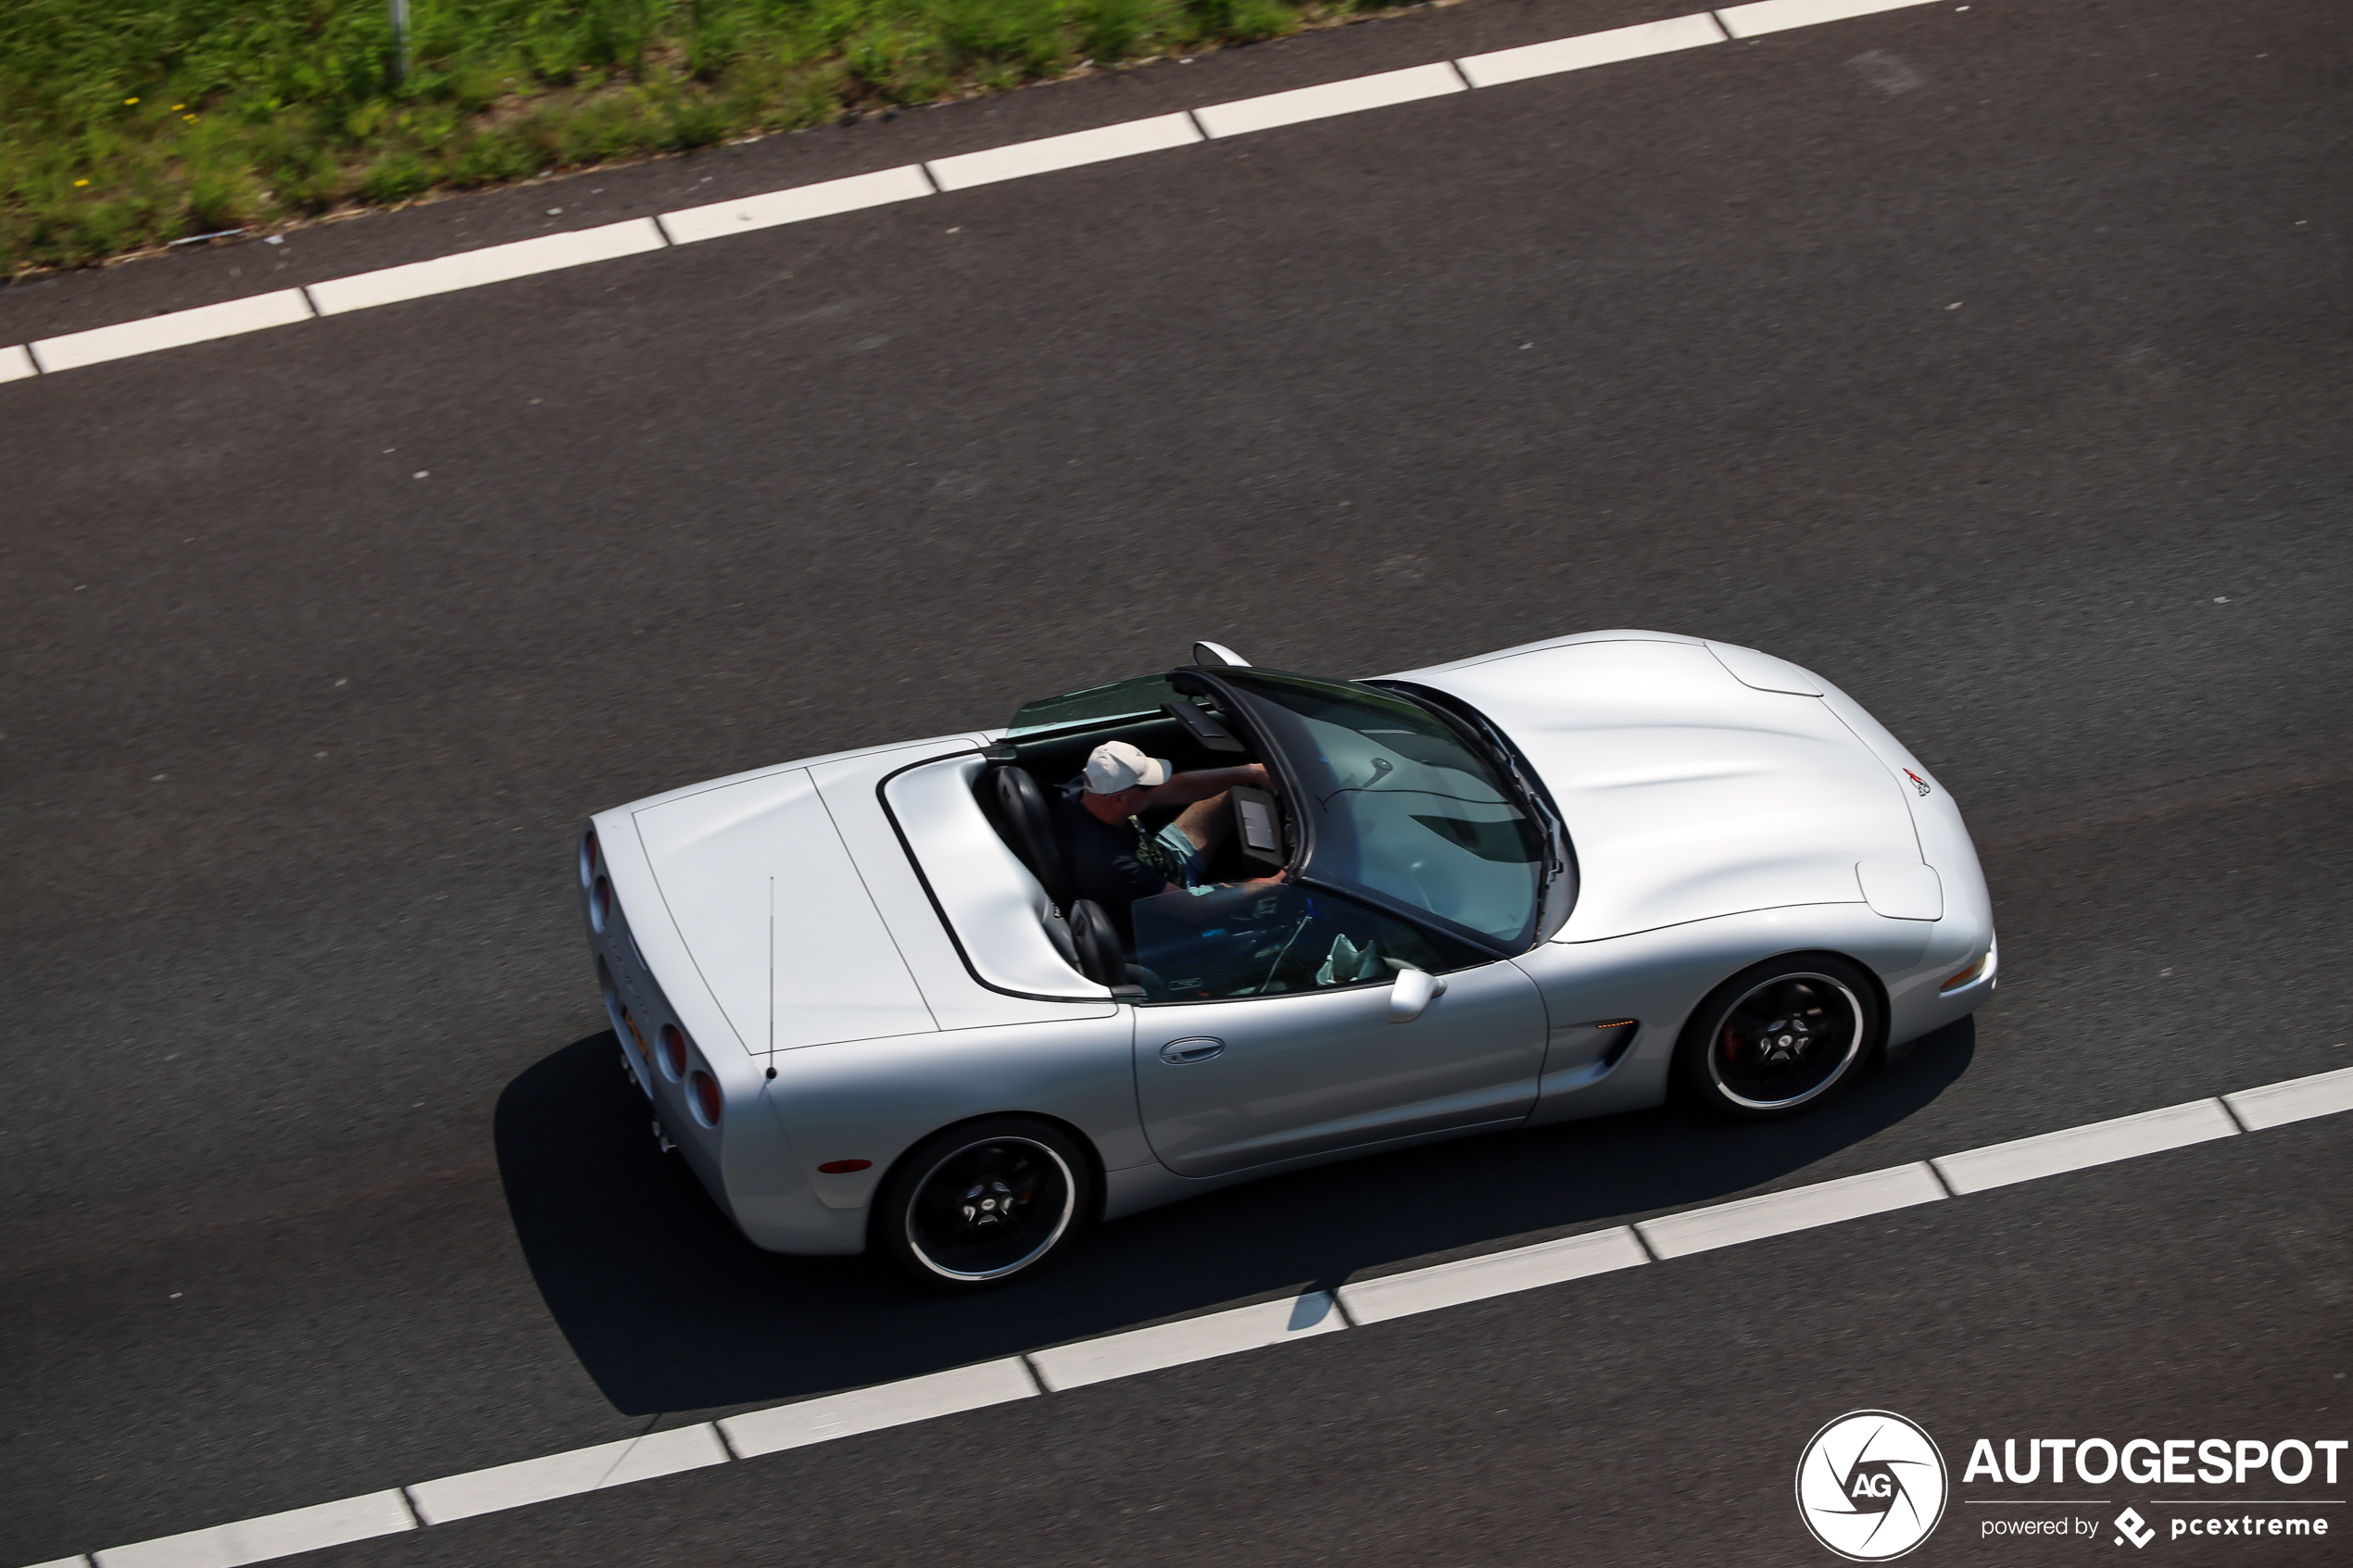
{"type": "Point", "coordinates": [400, 40]}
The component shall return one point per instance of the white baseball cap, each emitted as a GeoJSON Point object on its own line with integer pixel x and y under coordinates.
{"type": "Point", "coordinates": [1115, 765]}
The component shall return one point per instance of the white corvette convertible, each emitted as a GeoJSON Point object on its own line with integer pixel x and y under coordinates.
{"type": "Point", "coordinates": [1554, 881]}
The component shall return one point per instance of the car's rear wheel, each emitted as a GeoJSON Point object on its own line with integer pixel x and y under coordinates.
{"type": "Point", "coordinates": [1779, 1035]}
{"type": "Point", "coordinates": [985, 1203]}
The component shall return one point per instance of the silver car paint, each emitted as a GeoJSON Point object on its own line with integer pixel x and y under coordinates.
{"type": "Point", "coordinates": [1072, 1057]}
{"type": "Point", "coordinates": [1309, 1072]}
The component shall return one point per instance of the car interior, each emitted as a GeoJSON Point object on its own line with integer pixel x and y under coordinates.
{"type": "Point", "coordinates": [1232, 942]}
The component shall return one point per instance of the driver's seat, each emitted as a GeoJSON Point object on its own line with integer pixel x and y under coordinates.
{"type": "Point", "coordinates": [1029, 828]}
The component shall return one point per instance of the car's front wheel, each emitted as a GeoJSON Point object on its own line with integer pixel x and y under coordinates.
{"type": "Point", "coordinates": [1779, 1035]}
{"type": "Point", "coordinates": [985, 1203]}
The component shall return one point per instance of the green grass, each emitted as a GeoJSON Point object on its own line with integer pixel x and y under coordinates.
{"type": "Point", "coordinates": [127, 124]}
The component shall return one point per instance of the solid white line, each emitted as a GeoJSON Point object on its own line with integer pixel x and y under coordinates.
{"type": "Point", "coordinates": [273, 1535]}
{"type": "Point", "coordinates": [2073, 1149]}
{"type": "Point", "coordinates": [1776, 1213]}
{"type": "Point", "coordinates": [870, 1410]}
{"type": "Point", "coordinates": [1498, 1274]}
{"type": "Point", "coordinates": [1592, 49]}
{"type": "Point", "coordinates": [1194, 1339]}
{"type": "Point", "coordinates": [181, 327]}
{"type": "Point", "coordinates": [1470, 1279]}
{"type": "Point", "coordinates": [1375, 92]}
{"type": "Point", "coordinates": [1779, 16]}
{"type": "Point", "coordinates": [553, 252]}
{"type": "Point", "coordinates": [796, 205]}
{"type": "Point", "coordinates": [492, 264]}
{"type": "Point", "coordinates": [64, 1563]}
{"type": "Point", "coordinates": [565, 1474]}
{"type": "Point", "coordinates": [1051, 153]}
{"type": "Point", "coordinates": [2275, 1105]}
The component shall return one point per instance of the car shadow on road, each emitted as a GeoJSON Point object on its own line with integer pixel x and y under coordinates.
{"type": "Point", "coordinates": [668, 1309]}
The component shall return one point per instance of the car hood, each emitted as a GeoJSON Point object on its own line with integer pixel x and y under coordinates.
{"type": "Point", "coordinates": [1688, 792]}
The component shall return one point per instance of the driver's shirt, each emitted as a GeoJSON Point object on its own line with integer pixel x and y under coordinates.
{"type": "Point", "coordinates": [1105, 861]}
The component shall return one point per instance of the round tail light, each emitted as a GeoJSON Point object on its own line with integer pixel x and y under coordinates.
{"type": "Point", "coordinates": [601, 904]}
{"type": "Point", "coordinates": [674, 1053]}
{"type": "Point", "coordinates": [588, 866]}
{"type": "Point", "coordinates": [703, 1092]}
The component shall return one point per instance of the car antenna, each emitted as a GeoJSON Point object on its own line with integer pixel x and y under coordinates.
{"type": "Point", "coordinates": [771, 976]}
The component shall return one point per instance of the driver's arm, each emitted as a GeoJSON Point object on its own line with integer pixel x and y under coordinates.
{"type": "Point", "coordinates": [1183, 789]}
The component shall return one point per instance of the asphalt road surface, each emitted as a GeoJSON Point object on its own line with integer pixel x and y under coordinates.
{"type": "Point", "coordinates": [1991, 360]}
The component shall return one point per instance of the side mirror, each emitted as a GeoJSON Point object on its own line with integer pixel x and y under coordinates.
{"type": "Point", "coordinates": [1412, 992]}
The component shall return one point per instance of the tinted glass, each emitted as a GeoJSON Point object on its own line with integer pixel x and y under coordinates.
{"type": "Point", "coordinates": [1097, 705]}
{"type": "Point", "coordinates": [1399, 804]}
{"type": "Point", "coordinates": [1257, 941]}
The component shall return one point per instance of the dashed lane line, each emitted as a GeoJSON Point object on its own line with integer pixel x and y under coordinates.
{"type": "Point", "coordinates": [550, 253]}
{"type": "Point", "coordinates": [871, 1410]}
{"type": "Point", "coordinates": [1352, 96]}
{"type": "Point", "coordinates": [273, 1535]}
{"type": "Point", "coordinates": [175, 330]}
{"type": "Point", "coordinates": [1497, 1274]}
{"type": "Point", "coordinates": [795, 206]}
{"type": "Point", "coordinates": [568, 1474]}
{"type": "Point", "coordinates": [1191, 1339]}
{"type": "Point", "coordinates": [492, 264]}
{"type": "Point", "coordinates": [1049, 155]}
{"type": "Point", "coordinates": [1591, 49]}
{"type": "Point", "coordinates": [2029, 1159]}
{"type": "Point", "coordinates": [1234, 1331]}
{"type": "Point", "coordinates": [1779, 16]}
{"type": "Point", "coordinates": [1800, 1208]}
{"type": "Point", "coordinates": [2297, 1099]}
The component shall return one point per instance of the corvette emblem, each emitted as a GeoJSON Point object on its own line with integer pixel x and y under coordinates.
{"type": "Point", "coordinates": [1918, 783]}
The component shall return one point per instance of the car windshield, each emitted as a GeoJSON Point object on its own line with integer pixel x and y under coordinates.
{"type": "Point", "coordinates": [1397, 804]}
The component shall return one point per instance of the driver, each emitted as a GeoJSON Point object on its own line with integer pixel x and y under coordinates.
{"type": "Point", "coordinates": [1113, 858]}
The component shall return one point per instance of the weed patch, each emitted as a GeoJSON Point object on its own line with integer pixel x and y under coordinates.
{"type": "Point", "coordinates": [127, 124]}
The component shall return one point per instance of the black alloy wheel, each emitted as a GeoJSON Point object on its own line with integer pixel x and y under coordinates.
{"type": "Point", "coordinates": [985, 1203]}
{"type": "Point", "coordinates": [1779, 1035]}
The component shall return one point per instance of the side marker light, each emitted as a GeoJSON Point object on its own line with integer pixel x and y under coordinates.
{"type": "Point", "coordinates": [844, 1167]}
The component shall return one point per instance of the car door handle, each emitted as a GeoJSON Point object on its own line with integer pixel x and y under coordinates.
{"type": "Point", "coordinates": [1200, 1047]}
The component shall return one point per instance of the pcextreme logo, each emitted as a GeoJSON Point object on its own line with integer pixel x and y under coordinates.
{"type": "Point", "coordinates": [1871, 1486]}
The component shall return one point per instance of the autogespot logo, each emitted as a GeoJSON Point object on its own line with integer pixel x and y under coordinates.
{"type": "Point", "coordinates": [1871, 1486]}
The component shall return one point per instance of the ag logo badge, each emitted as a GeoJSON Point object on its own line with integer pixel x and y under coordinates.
{"type": "Point", "coordinates": [1871, 1486]}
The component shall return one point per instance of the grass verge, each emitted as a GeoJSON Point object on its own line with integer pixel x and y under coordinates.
{"type": "Point", "coordinates": [125, 124]}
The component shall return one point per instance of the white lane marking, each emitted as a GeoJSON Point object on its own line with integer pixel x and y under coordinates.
{"type": "Point", "coordinates": [1591, 49]}
{"type": "Point", "coordinates": [2275, 1105]}
{"type": "Point", "coordinates": [1779, 16]}
{"type": "Point", "coordinates": [565, 1474]}
{"type": "Point", "coordinates": [1050, 153]}
{"type": "Point", "coordinates": [578, 248]}
{"type": "Point", "coordinates": [273, 1535]}
{"type": "Point", "coordinates": [796, 205]}
{"type": "Point", "coordinates": [1498, 1274]}
{"type": "Point", "coordinates": [173, 331]}
{"type": "Point", "coordinates": [1193, 1340]}
{"type": "Point", "coordinates": [65, 1562]}
{"type": "Point", "coordinates": [870, 1410]}
{"type": "Point", "coordinates": [2073, 1149]}
{"type": "Point", "coordinates": [1472, 1279]}
{"type": "Point", "coordinates": [1379, 91]}
{"type": "Point", "coordinates": [1777, 1213]}
{"type": "Point", "coordinates": [492, 264]}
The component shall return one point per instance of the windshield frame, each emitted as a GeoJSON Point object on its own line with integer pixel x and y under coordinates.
{"type": "Point", "coordinates": [1520, 785]}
